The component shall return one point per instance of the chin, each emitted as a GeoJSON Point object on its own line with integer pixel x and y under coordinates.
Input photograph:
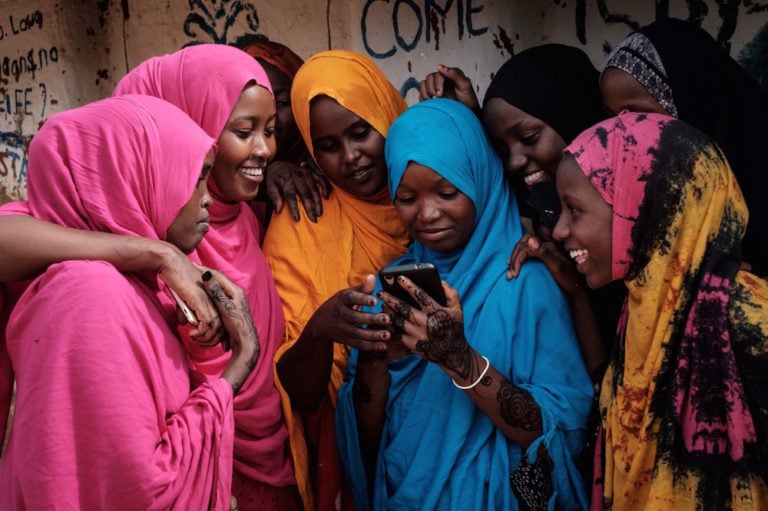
{"type": "Point", "coordinates": [598, 281]}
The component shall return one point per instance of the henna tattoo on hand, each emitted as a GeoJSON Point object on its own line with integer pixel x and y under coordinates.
{"type": "Point", "coordinates": [447, 345]}
{"type": "Point", "coordinates": [518, 408]}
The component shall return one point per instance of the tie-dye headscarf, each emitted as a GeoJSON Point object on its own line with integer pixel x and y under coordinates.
{"type": "Point", "coordinates": [684, 400]}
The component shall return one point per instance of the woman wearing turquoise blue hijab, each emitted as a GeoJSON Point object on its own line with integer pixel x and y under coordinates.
{"type": "Point", "coordinates": [504, 433]}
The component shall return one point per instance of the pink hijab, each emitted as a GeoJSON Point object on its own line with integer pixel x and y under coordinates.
{"type": "Point", "coordinates": [104, 414]}
{"type": "Point", "coordinates": [206, 81]}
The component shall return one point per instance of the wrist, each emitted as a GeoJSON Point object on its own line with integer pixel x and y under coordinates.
{"type": "Point", "coordinates": [163, 255]}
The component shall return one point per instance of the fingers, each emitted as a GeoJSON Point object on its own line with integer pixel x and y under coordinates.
{"type": "Point", "coordinates": [233, 306]}
{"type": "Point", "coordinates": [455, 75]}
{"type": "Point", "coordinates": [519, 255]}
{"type": "Point", "coordinates": [431, 86]}
{"type": "Point", "coordinates": [452, 299]}
{"type": "Point", "coordinates": [273, 190]}
{"type": "Point", "coordinates": [310, 199]}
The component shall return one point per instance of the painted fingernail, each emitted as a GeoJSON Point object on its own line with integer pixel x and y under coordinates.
{"type": "Point", "coordinates": [207, 275]}
{"type": "Point", "coordinates": [400, 278]}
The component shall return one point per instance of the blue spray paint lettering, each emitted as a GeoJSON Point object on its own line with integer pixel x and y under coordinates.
{"type": "Point", "coordinates": [421, 15]}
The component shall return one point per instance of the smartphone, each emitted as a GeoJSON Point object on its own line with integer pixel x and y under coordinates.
{"type": "Point", "coordinates": [424, 275]}
{"type": "Point", "coordinates": [191, 318]}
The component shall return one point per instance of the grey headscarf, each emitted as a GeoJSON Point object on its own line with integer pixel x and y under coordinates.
{"type": "Point", "coordinates": [637, 56]}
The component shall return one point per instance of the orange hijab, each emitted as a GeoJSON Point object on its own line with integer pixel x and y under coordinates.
{"type": "Point", "coordinates": [312, 261]}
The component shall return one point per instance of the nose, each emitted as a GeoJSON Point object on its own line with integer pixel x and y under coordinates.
{"type": "Point", "coordinates": [517, 158]}
{"type": "Point", "coordinates": [205, 200]}
{"type": "Point", "coordinates": [563, 226]}
{"type": "Point", "coordinates": [263, 149]}
{"type": "Point", "coordinates": [351, 152]}
{"type": "Point", "coordinates": [427, 212]}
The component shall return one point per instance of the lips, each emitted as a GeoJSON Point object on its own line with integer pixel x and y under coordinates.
{"type": "Point", "coordinates": [361, 174]}
{"type": "Point", "coordinates": [433, 234]}
{"type": "Point", "coordinates": [579, 255]}
{"type": "Point", "coordinates": [252, 173]}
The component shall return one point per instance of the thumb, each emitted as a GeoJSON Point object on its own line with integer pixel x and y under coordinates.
{"type": "Point", "coordinates": [534, 244]}
{"type": "Point", "coordinates": [451, 295]}
{"type": "Point", "coordinates": [369, 284]}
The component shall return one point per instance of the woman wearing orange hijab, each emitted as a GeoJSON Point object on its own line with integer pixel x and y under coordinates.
{"type": "Point", "coordinates": [343, 106]}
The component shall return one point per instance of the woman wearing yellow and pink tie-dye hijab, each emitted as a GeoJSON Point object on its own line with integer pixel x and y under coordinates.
{"type": "Point", "coordinates": [649, 200]}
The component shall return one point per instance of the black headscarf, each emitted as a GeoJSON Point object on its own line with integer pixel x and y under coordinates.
{"type": "Point", "coordinates": [559, 85]}
{"type": "Point", "coordinates": [553, 82]}
{"type": "Point", "coordinates": [713, 93]}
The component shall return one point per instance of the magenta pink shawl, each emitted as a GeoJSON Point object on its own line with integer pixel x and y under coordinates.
{"type": "Point", "coordinates": [206, 81]}
{"type": "Point", "coordinates": [104, 417]}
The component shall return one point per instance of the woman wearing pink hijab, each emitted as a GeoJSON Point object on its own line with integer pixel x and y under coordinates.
{"type": "Point", "coordinates": [228, 94]}
{"type": "Point", "coordinates": [104, 415]}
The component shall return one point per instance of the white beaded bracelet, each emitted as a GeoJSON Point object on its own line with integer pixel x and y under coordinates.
{"type": "Point", "coordinates": [487, 365]}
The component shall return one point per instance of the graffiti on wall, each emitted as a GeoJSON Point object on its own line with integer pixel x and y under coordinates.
{"type": "Point", "coordinates": [215, 19]}
{"type": "Point", "coordinates": [19, 100]}
{"type": "Point", "coordinates": [728, 12]}
{"type": "Point", "coordinates": [394, 27]}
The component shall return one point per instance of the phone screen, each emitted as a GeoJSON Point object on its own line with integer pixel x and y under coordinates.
{"type": "Point", "coordinates": [424, 275]}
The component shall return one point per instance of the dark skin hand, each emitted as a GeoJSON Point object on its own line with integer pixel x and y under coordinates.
{"type": "Point", "coordinates": [236, 315]}
{"type": "Point", "coordinates": [304, 370]}
{"type": "Point", "coordinates": [286, 182]}
{"type": "Point", "coordinates": [436, 334]}
{"type": "Point", "coordinates": [452, 83]}
{"type": "Point", "coordinates": [572, 283]}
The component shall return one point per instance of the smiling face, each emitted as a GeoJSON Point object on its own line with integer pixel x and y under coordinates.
{"type": "Point", "coordinates": [529, 148]}
{"type": "Point", "coordinates": [190, 225]}
{"type": "Point", "coordinates": [246, 145]}
{"type": "Point", "coordinates": [348, 150]}
{"type": "Point", "coordinates": [585, 224]}
{"type": "Point", "coordinates": [621, 91]}
{"type": "Point", "coordinates": [433, 211]}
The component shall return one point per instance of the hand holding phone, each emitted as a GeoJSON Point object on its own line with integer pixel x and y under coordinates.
{"type": "Point", "coordinates": [191, 318]}
{"type": "Point", "coordinates": [424, 275]}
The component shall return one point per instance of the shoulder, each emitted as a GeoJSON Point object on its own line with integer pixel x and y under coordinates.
{"type": "Point", "coordinates": [284, 233]}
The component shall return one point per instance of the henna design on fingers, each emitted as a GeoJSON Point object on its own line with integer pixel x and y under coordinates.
{"type": "Point", "coordinates": [248, 316]}
{"type": "Point", "coordinates": [400, 313]}
{"type": "Point", "coordinates": [423, 299]}
{"type": "Point", "coordinates": [518, 408]}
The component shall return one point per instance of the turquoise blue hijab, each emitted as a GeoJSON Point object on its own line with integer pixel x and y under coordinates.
{"type": "Point", "coordinates": [438, 450]}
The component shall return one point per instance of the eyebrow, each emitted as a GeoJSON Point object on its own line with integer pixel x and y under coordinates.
{"type": "Point", "coordinates": [253, 118]}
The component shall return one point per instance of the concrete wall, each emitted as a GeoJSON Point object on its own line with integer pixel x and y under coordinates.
{"type": "Point", "coordinates": [58, 55]}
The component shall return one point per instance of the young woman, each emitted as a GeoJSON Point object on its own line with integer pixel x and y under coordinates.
{"type": "Point", "coordinates": [104, 416]}
{"type": "Point", "coordinates": [239, 108]}
{"type": "Point", "coordinates": [227, 93]}
{"type": "Point", "coordinates": [292, 172]}
{"type": "Point", "coordinates": [651, 201]}
{"type": "Point", "coordinates": [538, 101]}
{"type": "Point", "coordinates": [343, 106]}
{"type": "Point", "coordinates": [489, 410]}
{"type": "Point", "coordinates": [676, 68]}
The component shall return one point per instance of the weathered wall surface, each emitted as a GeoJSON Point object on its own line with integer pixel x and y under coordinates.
{"type": "Point", "coordinates": [58, 55]}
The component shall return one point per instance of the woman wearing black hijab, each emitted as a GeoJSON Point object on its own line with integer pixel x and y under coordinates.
{"type": "Point", "coordinates": [676, 68]}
